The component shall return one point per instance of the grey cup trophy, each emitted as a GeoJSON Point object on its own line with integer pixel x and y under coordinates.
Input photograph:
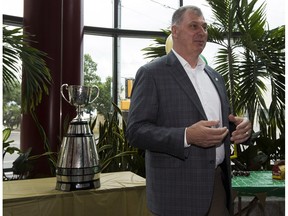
{"type": "Point", "coordinates": [78, 161]}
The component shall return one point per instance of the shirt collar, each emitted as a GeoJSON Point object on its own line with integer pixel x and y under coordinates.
{"type": "Point", "coordinates": [200, 64]}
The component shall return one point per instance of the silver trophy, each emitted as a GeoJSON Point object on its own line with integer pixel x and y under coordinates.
{"type": "Point", "coordinates": [79, 96]}
{"type": "Point", "coordinates": [78, 161]}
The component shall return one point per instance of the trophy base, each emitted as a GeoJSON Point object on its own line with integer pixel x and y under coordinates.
{"type": "Point", "coordinates": [69, 179]}
{"type": "Point", "coordinates": [73, 186]}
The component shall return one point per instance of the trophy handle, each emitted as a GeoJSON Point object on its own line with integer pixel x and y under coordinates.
{"type": "Point", "coordinates": [61, 90]}
{"type": "Point", "coordinates": [96, 95]}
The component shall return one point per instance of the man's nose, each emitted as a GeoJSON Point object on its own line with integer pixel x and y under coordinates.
{"type": "Point", "coordinates": [203, 30]}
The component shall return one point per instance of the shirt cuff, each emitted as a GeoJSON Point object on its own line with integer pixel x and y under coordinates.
{"type": "Point", "coordinates": [186, 145]}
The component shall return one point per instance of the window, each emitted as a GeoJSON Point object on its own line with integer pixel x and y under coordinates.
{"type": "Point", "coordinates": [100, 50]}
{"type": "Point", "coordinates": [12, 7]}
{"type": "Point", "coordinates": [100, 15]}
{"type": "Point", "coordinates": [151, 15]}
{"type": "Point", "coordinates": [131, 58]}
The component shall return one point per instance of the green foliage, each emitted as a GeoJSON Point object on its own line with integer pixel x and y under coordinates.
{"type": "Point", "coordinates": [12, 94]}
{"type": "Point", "coordinates": [240, 26]}
{"type": "Point", "coordinates": [115, 153]}
{"type": "Point", "coordinates": [24, 162]}
{"type": "Point", "coordinates": [103, 102]}
{"type": "Point", "coordinates": [16, 49]}
{"type": "Point", "coordinates": [11, 114]}
{"type": "Point", "coordinates": [7, 148]}
{"type": "Point", "coordinates": [6, 142]}
{"type": "Point", "coordinates": [20, 57]}
{"type": "Point", "coordinates": [11, 106]}
{"type": "Point", "coordinates": [259, 156]}
{"type": "Point", "coordinates": [158, 48]}
{"type": "Point", "coordinates": [20, 164]}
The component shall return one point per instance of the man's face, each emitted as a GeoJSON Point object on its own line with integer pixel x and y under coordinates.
{"type": "Point", "coordinates": [190, 36]}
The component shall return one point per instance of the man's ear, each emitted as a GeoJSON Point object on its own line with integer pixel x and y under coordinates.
{"type": "Point", "coordinates": [174, 31]}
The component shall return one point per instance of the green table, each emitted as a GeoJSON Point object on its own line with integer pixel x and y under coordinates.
{"type": "Point", "coordinates": [258, 182]}
{"type": "Point", "coordinates": [259, 185]}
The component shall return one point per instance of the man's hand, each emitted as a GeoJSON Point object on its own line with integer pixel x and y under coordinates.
{"type": "Point", "coordinates": [205, 134]}
{"type": "Point", "coordinates": [243, 129]}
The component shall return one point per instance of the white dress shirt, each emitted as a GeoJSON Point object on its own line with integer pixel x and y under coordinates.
{"type": "Point", "coordinates": [208, 96]}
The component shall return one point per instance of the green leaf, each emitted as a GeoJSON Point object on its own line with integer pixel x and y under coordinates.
{"type": "Point", "coordinates": [17, 48]}
{"type": "Point", "coordinates": [6, 134]}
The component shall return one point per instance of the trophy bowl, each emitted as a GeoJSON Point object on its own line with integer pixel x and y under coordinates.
{"type": "Point", "coordinates": [78, 95]}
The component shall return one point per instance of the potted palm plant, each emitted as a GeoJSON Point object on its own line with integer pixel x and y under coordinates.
{"type": "Point", "coordinates": [251, 57]}
{"type": "Point", "coordinates": [21, 59]}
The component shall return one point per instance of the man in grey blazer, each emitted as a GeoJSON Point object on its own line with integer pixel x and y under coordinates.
{"type": "Point", "coordinates": [180, 115]}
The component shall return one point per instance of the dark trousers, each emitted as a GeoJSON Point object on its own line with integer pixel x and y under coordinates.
{"type": "Point", "coordinates": [218, 205]}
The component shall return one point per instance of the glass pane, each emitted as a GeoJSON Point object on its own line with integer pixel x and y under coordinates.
{"type": "Point", "coordinates": [274, 12]}
{"type": "Point", "coordinates": [131, 59]}
{"type": "Point", "coordinates": [11, 108]}
{"type": "Point", "coordinates": [147, 14]}
{"type": "Point", "coordinates": [12, 7]}
{"type": "Point", "coordinates": [100, 49]}
{"type": "Point", "coordinates": [98, 13]}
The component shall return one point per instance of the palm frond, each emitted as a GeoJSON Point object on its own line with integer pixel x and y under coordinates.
{"type": "Point", "coordinates": [19, 57]}
{"type": "Point", "coordinates": [156, 49]}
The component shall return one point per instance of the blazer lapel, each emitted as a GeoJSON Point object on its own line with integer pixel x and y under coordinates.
{"type": "Point", "coordinates": [184, 82]}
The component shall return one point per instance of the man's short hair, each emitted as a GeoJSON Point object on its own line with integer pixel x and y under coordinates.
{"type": "Point", "coordinates": [178, 14]}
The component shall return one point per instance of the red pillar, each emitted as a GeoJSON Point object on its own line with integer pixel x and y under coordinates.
{"type": "Point", "coordinates": [57, 27]}
{"type": "Point", "coordinates": [73, 33]}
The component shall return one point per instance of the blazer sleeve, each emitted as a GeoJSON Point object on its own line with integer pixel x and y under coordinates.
{"type": "Point", "coordinates": [142, 129]}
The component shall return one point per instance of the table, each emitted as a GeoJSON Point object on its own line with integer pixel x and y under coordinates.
{"type": "Point", "coordinates": [259, 185]}
{"type": "Point", "coordinates": [121, 193]}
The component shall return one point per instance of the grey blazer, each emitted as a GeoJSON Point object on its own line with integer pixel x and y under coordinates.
{"type": "Point", "coordinates": [179, 180]}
